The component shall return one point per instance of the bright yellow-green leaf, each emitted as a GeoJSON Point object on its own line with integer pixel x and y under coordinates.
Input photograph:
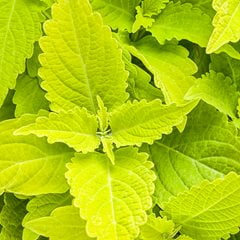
{"type": "Point", "coordinates": [184, 237]}
{"type": "Point", "coordinates": [157, 228]}
{"type": "Point", "coordinates": [42, 206]}
{"type": "Point", "coordinates": [63, 224]}
{"type": "Point", "coordinates": [141, 20]}
{"type": "Point", "coordinates": [28, 164]}
{"type": "Point", "coordinates": [166, 64]}
{"type": "Point", "coordinates": [20, 28]}
{"type": "Point", "coordinates": [147, 11]}
{"type": "Point", "coordinates": [83, 61]}
{"type": "Point", "coordinates": [182, 21]}
{"type": "Point", "coordinates": [102, 115]}
{"type": "Point", "coordinates": [217, 90]}
{"type": "Point", "coordinates": [116, 13]}
{"type": "Point", "coordinates": [208, 149]}
{"type": "Point", "coordinates": [226, 24]}
{"type": "Point", "coordinates": [112, 198]}
{"type": "Point", "coordinates": [108, 148]}
{"type": "Point", "coordinates": [210, 211]}
{"type": "Point", "coordinates": [143, 122]}
{"type": "Point", "coordinates": [77, 128]}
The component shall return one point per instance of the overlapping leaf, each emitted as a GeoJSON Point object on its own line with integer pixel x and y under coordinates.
{"type": "Point", "coordinates": [165, 62]}
{"type": "Point", "coordinates": [77, 128]}
{"type": "Point", "coordinates": [226, 24]}
{"type": "Point", "coordinates": [11, 217]}
{"type": "Point", "coordinates": [151, 7]}
{"type": "Point", "coordinates": [117, 14]}
{"type": "Point", "coordinates": [139, 81]}
{"type": "Point", "coordinates": [207, 149]}
{"type": "Point", "coordinates": [210, 211]}
{"type": "Point", "coordinates": [33, 63]}
{"type": "Point", "coordinates": [63, 224]}
{"type": "Point", "coordinates": [141, 88]}
{"type": "Point", "coordinates": [112, 198]}
{"type": "Point", "coordinates": [146, 11]}
{"type": "Point", "coordinates": [157, 228]}
{"type": "Point", "coordinates": [217, 90]}
{"type": "Point", "coordinates": [204, 5]}
{"type": "Point", "coordinates": [80, 63]}
{"type": "Point", "coordinates": [42, 206]}
{"type": "Point", "coordinates": [142, 122]}
{"type": "Point", "coordinates": [28, 164]}
{"type": "Point", "coordinates": [29, 97]}
{"type": "Point", "coordinates": [182, 21]}
{"type": "Point", "coordinates": [20, 28]}
{"type": "Point", "coordinates": [228, 66]}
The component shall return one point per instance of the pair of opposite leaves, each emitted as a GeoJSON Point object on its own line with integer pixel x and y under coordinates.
{"type": "Point", "coordinates": [80, 64]}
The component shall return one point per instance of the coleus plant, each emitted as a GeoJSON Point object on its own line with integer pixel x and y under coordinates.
{"type": "Point", "coordinates": [120, 120]}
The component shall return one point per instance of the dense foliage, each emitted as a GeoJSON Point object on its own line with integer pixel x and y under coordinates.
{"type": "Point", "coordinates": [119, 120]}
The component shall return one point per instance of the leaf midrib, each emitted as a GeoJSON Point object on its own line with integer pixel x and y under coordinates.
{"type": "Point", "coordinates": [210, 206]}
{"type": "Point", "coordinates": [153, 119]}
{"type": "Point", "coordinates": [109, 181]}
{"type": "Point", "coordinates": [83, 64]}
{"type": "Point", "coordinates": [228, 24]}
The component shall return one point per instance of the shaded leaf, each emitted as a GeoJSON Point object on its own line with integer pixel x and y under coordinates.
{"type": "Point", "coordinates": [209, 211]}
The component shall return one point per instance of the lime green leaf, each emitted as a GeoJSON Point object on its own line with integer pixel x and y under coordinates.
{"type": "Point", "coordinates": [102, 115]}
{"type": "Point", "coordinates": [217, 90]}
{"type": "Point", "coordinates": [108, 148]}
{"type": "Point", "coordinates": [209, 211]}
{"type": "Point", "coordinates": [182, 22]}
{"type": "Point", "coordinates": [28, 164]}
{"type": "Point", "coordinates": [146, 12]}
{"type": "Point", "coordinates": [63, 224]}
{"type": "Point", "coordinates": [33, 63]}
{"type": "Point", "coordinates": [204, 5]}
{"type": "Point", "coordinates": [8, 108]}
{"type": "Point", "coordinates": [230, 50]}
{"type": "Point", "coordinates": [226, 24]}
{"type": "Point", "coordinates": [184, 237]}
{"type": "Point", "coordinates": [11, 217]}
{"type": "Point", "coordinates": [20, 28]}
{"type": "Point", "coordinates": [142, 122]}
{"type": "Point", "coordinates": [139, 85]}
{"type": "Point", "coordinates": [48, 2]}
{"type": "Point", "coordinates": [74, 70]}
{"type": "Point", "coordinates": [152, 7]}
{"type": "Point", "coordinates": [29, 97]}
{"type": "Point", "coordinates": [142, 88]}
{"type": "Point", "coordinates": [141, 20]}
{"type": "Point", "coordinates": [117, 14]}
{"type": "Point", "coordinates": [228, 66]}
{"type": "Point", "coordinates": [157, 228]}
{"type": "Point", "coordinates": [42, 206]}
{"type": "Point", "coordinates": [208, 148]}
{"type": "Point", "coordinates": [77, 128]}
{"type": "Point", "coordinates": [112, 198]}
{"type": "Point", "coordinates": [165, 62]}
